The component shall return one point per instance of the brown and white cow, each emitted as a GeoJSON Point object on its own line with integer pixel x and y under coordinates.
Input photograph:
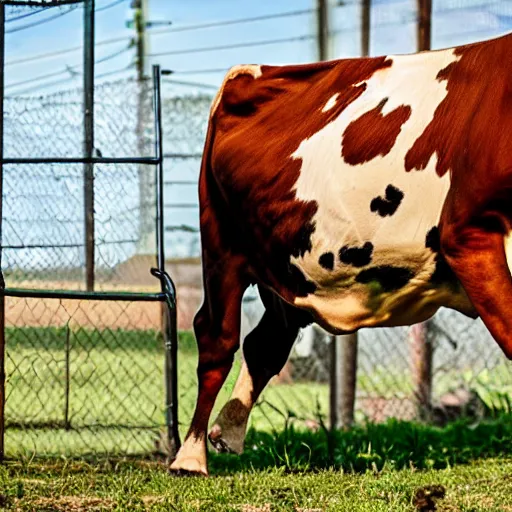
{"type": "Point", "coordinates": [354, 193]}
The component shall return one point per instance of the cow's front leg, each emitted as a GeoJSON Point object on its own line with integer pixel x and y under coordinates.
{"type": "Point", "coordinates": [217, 330]}
{"type": "Point", "coordinates": [266, 350]}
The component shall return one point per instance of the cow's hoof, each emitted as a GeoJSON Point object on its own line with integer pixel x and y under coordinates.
{"type": "Point", "coordinates": [227, 441]}
{"type": "Point", "coordinates": [188, 467]}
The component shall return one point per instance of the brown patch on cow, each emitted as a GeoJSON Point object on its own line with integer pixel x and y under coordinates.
{"type": "Point", "coordinates": [373, 133]}
{"type": "Point", "coordinates": [471, 127]}
{"type": "Point", "coordinates": [258, 125]}
{"type": "Point", "coordinates": [471, 136]}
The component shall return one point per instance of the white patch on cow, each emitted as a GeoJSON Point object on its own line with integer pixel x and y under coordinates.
{"type": "Point", "coordinates": [240, 69]}
{"type": "Point", "coordinates": [344, 192]}
{"type": "Point", "coordinates": [225, 427]}
{"type": "Point", "coordinates": [331, 102]}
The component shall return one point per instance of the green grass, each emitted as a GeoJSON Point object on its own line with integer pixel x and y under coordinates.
{"type": "Point", "coordinates": [116, 392]}
{"type": "Point", "coordinates": [378, 468]}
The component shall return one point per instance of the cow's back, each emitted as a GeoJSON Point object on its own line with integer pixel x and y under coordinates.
{"type": "Point", "coordinates": [335, 202]}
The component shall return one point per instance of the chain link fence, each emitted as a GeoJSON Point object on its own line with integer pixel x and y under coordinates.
{"type": "Point", "coordinates": [84, 377]}
{"type": "Point", "coordinates": [469, 374]}
{"type": "Point", "coordinates": [87, 377]}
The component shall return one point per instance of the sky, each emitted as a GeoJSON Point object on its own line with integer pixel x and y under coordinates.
{"type": "Point", "coordinates": [393, 31]}
{"type": "Point", "coordinates": [185, 51]}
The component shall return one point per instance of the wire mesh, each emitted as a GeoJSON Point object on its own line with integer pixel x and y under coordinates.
{"type": "Point", "coordinates": [44, 239]}
{"type": "Point", "coordinates": [466, 363]}
{"type": "Point", "coordinates": [92, 352]}
{"type": "Point", "coordinates": [83, 377]}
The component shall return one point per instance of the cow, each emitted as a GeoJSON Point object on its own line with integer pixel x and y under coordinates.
{"type": "Point", "coordinates": [354, 193]}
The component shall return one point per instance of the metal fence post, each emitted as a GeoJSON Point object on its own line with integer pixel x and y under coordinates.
{"type": "Point", "coordinates": [2, 283]}
{"type": "Point", "coordinates": [67, 382]}
{"type": "Point", "coordinates": [169, 313]}
{"type": "Point", "coordinates": [421, 344]}
{"type": "Point", "coordinates": [343, 380]}
{"type": "Point", "coordinates": [88, 114]}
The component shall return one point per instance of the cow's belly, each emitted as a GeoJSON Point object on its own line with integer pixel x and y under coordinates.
{"type": "Point", "coordinates": [397, 287]}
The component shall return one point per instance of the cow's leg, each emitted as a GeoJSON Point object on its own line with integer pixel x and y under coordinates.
{"type": "Point", "coordinates": [266, 350]}
{"type": "Point", "coordinates": [217, 330]}
{"type": "Point", "coordinates": [473, 242]}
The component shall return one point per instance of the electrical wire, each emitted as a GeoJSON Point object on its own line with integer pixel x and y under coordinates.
{"type": "Point", "coordinates": [248, 44]}
{"type": "Point", "coordinates": [66, 80]}
{"type": "Point", "coordinates": [27, 15]}
{"type": "Point", "coordinates": [108, 6]}
{"type": "Point", "coordinates": [237, 21]}
{"type": "Point", "coordinates": [158, 32]}
{"type": "Point", "coordinates": [207, 25]}
{"type": "Point", "coordinates": [69, 69]}
{"type": "Point", "coordinates": [191, 84]}
{"type": "Point", "coordinates": [43, 21]}
{"type": "Point", "coordinates": [200, 71]}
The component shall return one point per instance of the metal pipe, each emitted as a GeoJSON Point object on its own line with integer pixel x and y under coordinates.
{"type": "Point", "coordinates": [80, 295]}
{"type": "Point", "coordinates": [2, 283]}
{"type": "Point", "coordinates": [365, 27]}
{"type": "Point", "coordinates": [67, 381]}
{"type": "Point", "coordinates": [88, 112]}
{"type": "Point", "coordinates": [159, 169]}
{"type": "Point", "coordinates": [169, 313]}
{"type": "Point", "coordinates": [83, 160]}
{"type": "Point", "coordinates": [170, 331]}
{"type": "Point", "coordinates": [322, 29]}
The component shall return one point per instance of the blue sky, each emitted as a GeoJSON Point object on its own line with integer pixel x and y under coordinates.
{"type": "Point", "coordinates": [393, 32]}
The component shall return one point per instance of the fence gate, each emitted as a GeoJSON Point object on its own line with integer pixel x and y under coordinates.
{"type": "Point", "coordinates": [87, 362]}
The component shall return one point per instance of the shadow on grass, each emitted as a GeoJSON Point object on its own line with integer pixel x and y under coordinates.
{"type": "Point", "coordinates": [391, 445]}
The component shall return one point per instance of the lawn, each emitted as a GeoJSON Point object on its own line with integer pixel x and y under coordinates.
{"type": "Point", "coordinates": [484, 486]}
{"type": "Point", "coordinates": [381, 468]}
{"type": "Point", "coordinates": [78, 400]}
{"type": "Point", "coordinates": [79, 392]}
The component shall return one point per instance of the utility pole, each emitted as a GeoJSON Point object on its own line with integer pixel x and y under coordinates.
{"type": "Point", "coordinates": [422, 350]}
{"type": "Point", "coordinates": [424, 33]}
{"type": "Point", "coordinates": [322, 29]}
{"type": "Point", "coordinates": [365, 27]}
{"type": "Point", "coordinates": [343, 353]}
{"type": "Point", "coordinates": [147, 185]}
{"type": "Point", "coordinates": [140, 16]}
{"type": "Point", "coordinates": [88, 144]}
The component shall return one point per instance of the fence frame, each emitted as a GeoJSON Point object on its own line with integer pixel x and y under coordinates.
{"type": "Point", "coordinates": [167, 295]}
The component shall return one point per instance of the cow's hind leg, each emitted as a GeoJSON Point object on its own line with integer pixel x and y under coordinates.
{"type": "Point", "coordinates": [474, 240]}
{"type": "Point", "coordinates": [266, 350]}
{"type": "Point", "coordinates": [217, 329]}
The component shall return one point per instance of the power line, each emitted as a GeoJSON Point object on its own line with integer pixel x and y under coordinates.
{"type": "Point", "coordinates": [237, 21]}
{"type": "Point", "coordinates": [191, 84]}
{"type": "Point", "coordinates": [200, 71]}
{"type": "Point", "coordinates": [65, 80]}
{"type": "Point", "coordinates": [161, 31]}
{"type": "Point", "coordinates": [28, 14]}
{"type": "Point", "coordinates": [108, 6]}
{"type": "Point", "coordinates": [41, 22]}
{"type": "Point", "coordinates": [248, 44]}
{"type": "Point", "coordinates": [193, 27]}
{"type": "Point", "coordinates": [70, 69]}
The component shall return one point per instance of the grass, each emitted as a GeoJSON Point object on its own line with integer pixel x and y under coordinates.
{"type": "Point", "coordinates": [115, 385]}
{"type": "Point", "coordinates": [116, 392]}
{"type": "Point", "coordinates": [378, 468]}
